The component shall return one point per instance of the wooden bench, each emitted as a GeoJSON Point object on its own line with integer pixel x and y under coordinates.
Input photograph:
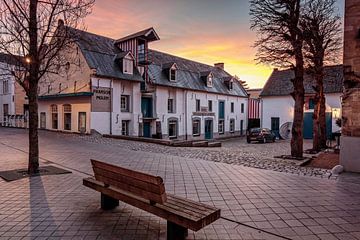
{"type": "Point", "coordinates": [147, 192]}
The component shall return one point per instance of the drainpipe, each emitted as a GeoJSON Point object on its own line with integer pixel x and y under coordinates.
{"type": "Point", "coordinates": [185, 119]}
{"type": "Point", "coordinates": [111, 104]}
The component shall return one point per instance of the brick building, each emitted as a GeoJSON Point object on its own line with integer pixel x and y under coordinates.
{"type": "Point", "coordinates": [350, 140]}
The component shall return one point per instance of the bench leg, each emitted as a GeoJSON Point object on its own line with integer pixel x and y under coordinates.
{"type": "Point", "coordinates": [176, 232]}
{"type": "Point", "coordinates": [108, 203]}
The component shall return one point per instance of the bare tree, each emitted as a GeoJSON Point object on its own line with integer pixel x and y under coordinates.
{"type": "Point", "coordinates": [280, 43]}
{"type": "Point", "coordinates": [37, 30]}
{"type": "Point", "coordinates": [322, 34]}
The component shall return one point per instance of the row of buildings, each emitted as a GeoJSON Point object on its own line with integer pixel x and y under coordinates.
{"type": "Point", "coordinates": [122, 87]}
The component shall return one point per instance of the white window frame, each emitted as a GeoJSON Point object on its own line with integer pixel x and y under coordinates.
{"type": "Point", "coordinates": [128, 65]}
{"type": "Point", "coordinates": [232, 125]}
{"type": "Point", "coordinates": [171, 107]}
{"type": "Point", "coordinates": [221, 127]}
{"type": "Point", "coordinates": [126, 108]}
{"type": "Point", "coordinates": [6, 86]}
{"type": "Point", "coordinates": [171, 75]}
{"type": "Point", "coordinates": [172, 122]}
{"type": "Point", "coordinates": [198, 122]}
{"type": "Point", "coordinates": [209, 82]}
{"type": "Point", "coordinates": [67, 110]}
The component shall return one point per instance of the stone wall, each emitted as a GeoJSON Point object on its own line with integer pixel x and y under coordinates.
{"type": "Point", "coordinates": [351, 97]}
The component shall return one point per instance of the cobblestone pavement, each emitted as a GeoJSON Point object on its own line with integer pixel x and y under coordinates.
{"type": "Point", "coordinates": [233, 151]}
{"type": "Point", "coordinates": [255, 203]}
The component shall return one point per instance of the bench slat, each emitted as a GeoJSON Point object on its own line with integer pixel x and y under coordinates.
{"type": "Point", "coordinates": [145, 185]}
{"type": "Point", "coordinates": [165, 210]}
{"type": "Point", "coordinates": [184, 203]}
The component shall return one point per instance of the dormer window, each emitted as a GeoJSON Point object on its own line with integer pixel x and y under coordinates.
{"type": "Point", "coordinates": [172, 76]}
{"type": "Point", "coordinates": [209, 81]}
{"type": "Point", "coordinates": [231, 85]}
{"type": "Point", "coordinates": [128, 65]}
{"type": "Point", "coordinates": [170, 70]}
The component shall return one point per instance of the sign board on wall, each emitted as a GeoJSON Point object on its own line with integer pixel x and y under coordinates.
{"type": "Point", "coordinates": [101, 100]}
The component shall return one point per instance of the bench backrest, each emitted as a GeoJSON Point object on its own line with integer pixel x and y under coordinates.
{"type": "Point", "coordinates": [137, 183]}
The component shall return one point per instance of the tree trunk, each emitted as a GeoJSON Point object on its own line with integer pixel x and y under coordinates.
{"type": "Point", "coordinates": [33, 166]}
{"type": "Point", "coordinates": [298, 95]}
{"type": "Point", "coordinates": [33, 78]}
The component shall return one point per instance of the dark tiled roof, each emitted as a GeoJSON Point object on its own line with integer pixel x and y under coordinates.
{"type": "Point", "coordinates": [100, 53]}
{"type": "Point", "coordinates": [189, 75]}
{"type": "Point", "coordinates": [279, 82]}
{"type": "Point", "coordinates": [141, 34]}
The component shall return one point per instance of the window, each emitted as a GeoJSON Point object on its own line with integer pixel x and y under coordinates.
{"type": "Point", "coordinates": [172, 129]}
{"type": "Point", "coordinates": [210, 105]}
{"type": "Point", "coordinates": [221, 126]}
{"type": "Point", "coordinates": [311, 103]}
{"type": "Point", "coordinates": [141, 51]}
{"type": "Point", "coordinates": [210, 81]}
{"type": "Point", "coordinates": [242, 108]}
{"type": "Point", "coordinates": [67, 117]}
{"type": "Point", "coordinates": [231, 85]}
{"type": "Point", "coordinates": [232, 107]}
{"type": "Point", "coordinates": [197, 105]}
{"type": "Point", "coordinates": [196, 127]}
{"type": "Point", "coordinates": [232, 125]}
{"type": "Point", "coordinates": [172, 74]}
{"type": "Point", "coordinates": [54, 116]}
{"type": "Point", "coordinates": [5, 86]}
{"type": "Point", "coordinates": [42, 120]}
{"type": "Point", "coordinates": [5, 109]}
{"type": "Point", "coordinates": [171, 106]}
{"type": "Point", "coordinates": [125, 128]}
{"type": "Point", "coordinates": [125, 106]}
{"type": "Point", "coordinates": [241, 127]}
{"type": "Point", "coordinates": [221, 110]}
{"type": "Point", "coordinates": [128, 65]}
{"type": "Point", "coordinates": [82, 122]}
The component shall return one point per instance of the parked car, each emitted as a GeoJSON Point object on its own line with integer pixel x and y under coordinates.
{"type": "Point", "coordinates": [260, 135]}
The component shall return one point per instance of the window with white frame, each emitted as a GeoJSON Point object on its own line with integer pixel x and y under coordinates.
{"type": "Point", "coordinates": [124, 103]}
{"type": "Point", "coordinates": [196, 127]}
{"type": "Point", "coordinates": [221, 127]}
{"type": "Point", "coordinates": [232, 125]}
{"type": "Point", "coordinates": [125, 127]}
{"type": "Point", "coordinates": [172, 129]}
{"type": "Point", "coordinates": [5, 86]}
{"type": "Point", "coordinates": [171, 108]}
{"type": "Point", "coordinates": [67, 116]}
{"type": "Point", "coordinates": [172, 73]}
{"type": "Point", "coordinates": [210, 80]}
{"type": "Point", "coordinates": [128, 65]}
{"type": "Point", "coordinates": [54, 116]}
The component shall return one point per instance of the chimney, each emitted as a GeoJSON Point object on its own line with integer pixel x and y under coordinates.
{"type": "Point", "coordinates": [219, 65]}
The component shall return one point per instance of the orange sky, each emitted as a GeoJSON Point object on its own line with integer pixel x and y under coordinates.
{"type": "Point", "coordinates": [207, 31]}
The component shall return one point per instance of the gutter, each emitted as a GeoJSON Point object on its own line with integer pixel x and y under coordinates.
{"type": "Point", "coordinates": [111, 104]}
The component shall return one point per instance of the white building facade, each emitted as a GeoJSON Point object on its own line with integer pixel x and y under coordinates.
{"type": "Point", "coordinates": [277, 105]}
{"type": "Point", "coordinates": [124, 88]}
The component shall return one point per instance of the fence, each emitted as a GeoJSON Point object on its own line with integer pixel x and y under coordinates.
{"type": "Point", "coordinates": [19, 121]}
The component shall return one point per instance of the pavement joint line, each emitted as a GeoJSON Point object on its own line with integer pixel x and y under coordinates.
{"type": "Point", "coordinates": [259, 229]}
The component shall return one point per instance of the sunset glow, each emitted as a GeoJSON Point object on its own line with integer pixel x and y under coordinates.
{"type": "Point", "coordinates": [207, 31]}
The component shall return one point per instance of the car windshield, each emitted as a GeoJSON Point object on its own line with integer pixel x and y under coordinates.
{"type": "Point", "coordinates": [255, 130]}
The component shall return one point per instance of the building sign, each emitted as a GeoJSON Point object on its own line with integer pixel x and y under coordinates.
{"type": "Point", "coordinates": [101, 100]}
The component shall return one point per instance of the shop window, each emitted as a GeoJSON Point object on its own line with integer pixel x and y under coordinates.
{"type": "Point", "coordinates": [172, 129]}
{"type": "Point", "coordinates": [67, 117]}
{"type": "Point", "coordinates": [82, 122]}
{"type": "Point", "coordinates": [54, 116]}
{"type": "Point", "coordinates": [196, 127]}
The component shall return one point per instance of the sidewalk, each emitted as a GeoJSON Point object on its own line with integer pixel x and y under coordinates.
{"type": "Point", "coordinates": [292, 206]}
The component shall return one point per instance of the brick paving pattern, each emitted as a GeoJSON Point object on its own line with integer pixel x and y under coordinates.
{"type": "Point", "coordinates": [254, 202]}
